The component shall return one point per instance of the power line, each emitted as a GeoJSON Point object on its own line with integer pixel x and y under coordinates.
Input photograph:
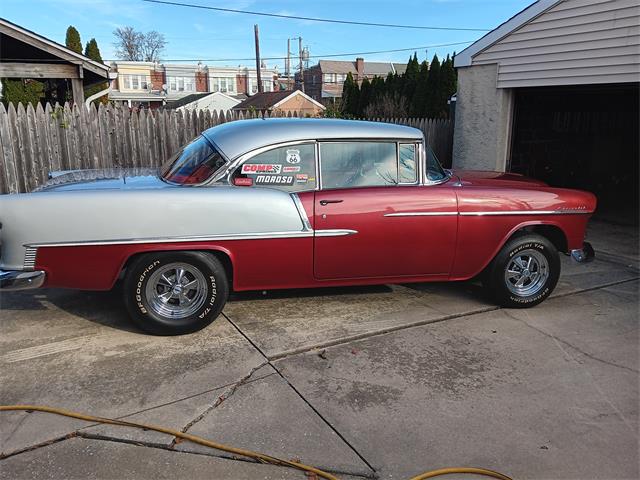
{"type": "Point", "coordinates": [314, 19]}
{"type": "Point", "coordinates": [331, 55]}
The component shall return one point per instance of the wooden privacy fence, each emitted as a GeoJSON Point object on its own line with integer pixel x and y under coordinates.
{"type": "Point", "coordinates": [35, 141]}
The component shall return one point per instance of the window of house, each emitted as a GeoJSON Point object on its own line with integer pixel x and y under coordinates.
{"type": "Point", "coordinates": [181, 84]}
{"type": "Point", "coordinates": [223, 84]}
{"type": "Point", "coordinates": [136, 82]}
{"type": "Point", "coordinates": [358, 164]}
{"type": "Point", "coordinates": [267, 86]}
{"type": "Point", "coordinates": [329, 78]}
{"type": "Point", "coordinates": [291, 168]}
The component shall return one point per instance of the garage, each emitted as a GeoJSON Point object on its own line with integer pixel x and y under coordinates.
{"type": "Point", "coordinates": [581, 137]}
{"type": "Point", "coordinates": [553, 93]}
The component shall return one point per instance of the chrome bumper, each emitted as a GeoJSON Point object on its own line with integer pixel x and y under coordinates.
{"type": "Point", "coordinates": [584, 254]}
{"type": "Point", "coordinates": [20, 280]}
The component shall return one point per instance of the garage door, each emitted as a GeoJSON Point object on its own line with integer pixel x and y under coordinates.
{"type": "Point", "coordinates": [581, 137]}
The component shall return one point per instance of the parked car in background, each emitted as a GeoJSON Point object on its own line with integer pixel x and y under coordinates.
{"type": "Point", "coordinates": [289, 203]}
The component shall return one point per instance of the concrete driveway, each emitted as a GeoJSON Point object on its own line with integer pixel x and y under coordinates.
{"type": "Point", "coordinates": [376, 382]}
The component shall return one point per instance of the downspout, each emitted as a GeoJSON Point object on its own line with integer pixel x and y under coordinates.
{"type": "Point", "coordinates": [95, 96]}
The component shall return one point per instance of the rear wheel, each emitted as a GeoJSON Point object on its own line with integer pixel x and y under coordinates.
{"type": "Point", "coordinates": [172, 293]}
{"type": "Point", "coordinates": [524, 273]}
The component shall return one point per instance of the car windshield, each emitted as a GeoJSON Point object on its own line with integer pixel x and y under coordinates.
{"type": "Point", "coordinates": [435, 172]}
{"type": "Point", "coordinates": [194, 163]}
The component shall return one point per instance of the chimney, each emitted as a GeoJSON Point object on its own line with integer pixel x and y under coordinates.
{"type": "Point", "coordinates": [360, 68]}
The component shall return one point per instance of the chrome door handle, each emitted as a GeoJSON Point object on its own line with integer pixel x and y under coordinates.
{"type": "Point", "coordinates": [325, 202]}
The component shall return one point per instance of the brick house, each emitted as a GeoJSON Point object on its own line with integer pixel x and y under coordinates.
{"type": "Point", "coordinates": [324, 81]}
{"type": "Point", "coordinates": [150, 85]}
{"type": "Point", "coordinates": [285, 101]}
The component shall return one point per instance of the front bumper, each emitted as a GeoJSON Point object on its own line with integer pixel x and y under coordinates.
{"type": "Point", "coordinates": [584, 254]}
{"type": "Point", "coordinates": [21, 280]}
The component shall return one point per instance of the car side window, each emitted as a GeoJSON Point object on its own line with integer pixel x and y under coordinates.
{"type": "Point", "coordinates": [291, 168]}
{"type": "Point", "coordinates": [358, 164]}
{"type": "Point", "coordinates": [407, 163]}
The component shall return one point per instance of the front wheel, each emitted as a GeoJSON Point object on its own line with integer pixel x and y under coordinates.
{"type": "Point", "coordinates": [172, 293]}
{"type": "Point", "coordinates": [524, 273]}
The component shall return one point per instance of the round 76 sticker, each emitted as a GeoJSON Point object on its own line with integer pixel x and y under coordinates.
{"type": "Point", "coordinates": [293, 156]}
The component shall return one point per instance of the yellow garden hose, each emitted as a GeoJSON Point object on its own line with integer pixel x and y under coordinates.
{"type": "Point", "coordinates": [261, 457]}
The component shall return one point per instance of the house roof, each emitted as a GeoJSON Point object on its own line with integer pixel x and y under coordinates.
{"type": "Point", "coordinates": [194, 97]}
{"type": "Point", "coordinates": [50, 47]}
{"type": "Point", "coordinates": [370, 68]}
{"type": "Point", "coordinates": [186, 99]}
{"type": "Point", "coordinates": [465, 57]}
{"type": "Point", "coordinates": [270, 100]}
{"type": "Point", "coordinates": [263, 101]}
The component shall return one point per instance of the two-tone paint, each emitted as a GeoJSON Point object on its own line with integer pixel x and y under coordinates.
{"type": "Point", "coordinates": [82, 233]}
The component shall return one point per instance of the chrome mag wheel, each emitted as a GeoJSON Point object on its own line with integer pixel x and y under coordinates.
{"type": "Point", "coordinates": [176, 290]}
{"type": "Point", "coordinates": [526, 273]}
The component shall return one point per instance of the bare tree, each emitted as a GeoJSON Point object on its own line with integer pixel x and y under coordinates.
{"type": "Point", "coordinates": [153, 44]}
{"type": "Point", "coordinates": [138, 46]}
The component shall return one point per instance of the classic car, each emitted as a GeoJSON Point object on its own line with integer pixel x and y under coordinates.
{"type": "Point", "coordinates": [289, 203]}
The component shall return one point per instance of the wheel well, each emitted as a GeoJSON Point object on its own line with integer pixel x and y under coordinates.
{"type": "Point", "coordinates": [551, 232]}
{"type": "Point", "coordinates": [220, 255]}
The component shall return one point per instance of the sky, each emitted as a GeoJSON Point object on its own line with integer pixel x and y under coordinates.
{"type": "Point", "coordinates": [195, 34]}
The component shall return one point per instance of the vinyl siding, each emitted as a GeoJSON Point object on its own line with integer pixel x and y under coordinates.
{"type": "Point", "coordinates": [573, 42]}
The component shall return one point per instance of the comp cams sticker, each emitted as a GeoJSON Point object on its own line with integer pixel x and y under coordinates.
{"type": "Point", "coordinates": [268, 168]}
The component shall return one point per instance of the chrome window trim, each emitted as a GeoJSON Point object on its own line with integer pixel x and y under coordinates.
{"type": "Point", "coordinates": [416, 158]}
{"type": "Point", "coordinates": [302, 212]}
{"type": "Point", "coordinates": [396, 141]}
{"type": "Point", "coordinates": [201, 238]}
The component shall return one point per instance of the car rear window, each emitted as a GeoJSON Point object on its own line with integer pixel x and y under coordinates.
{"type": "Point", "coordinates": [194, 163]}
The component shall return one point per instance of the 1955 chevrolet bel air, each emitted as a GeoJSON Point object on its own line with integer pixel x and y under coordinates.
{"type": "Point", "coordinates": [288, 203]}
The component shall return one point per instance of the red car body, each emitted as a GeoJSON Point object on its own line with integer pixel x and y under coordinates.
{"type": "Point", "coordinates": [473, 216]}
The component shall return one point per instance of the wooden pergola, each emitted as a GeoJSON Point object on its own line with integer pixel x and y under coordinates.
{"type": "Point", "coordinates": [26, 55]}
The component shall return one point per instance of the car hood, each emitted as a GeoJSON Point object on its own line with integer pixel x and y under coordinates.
{"type": "Point", "coordinates": [495, 179]}
{"type": "Point", "coordinates": [104, 179]}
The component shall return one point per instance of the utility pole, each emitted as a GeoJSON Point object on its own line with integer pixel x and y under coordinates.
{"type": "Point", "coordinates": [287, 65]}
{"type": "Point", "coordinates": [257, 35]}
{"type": "Point", "coordinates": [301, 64]}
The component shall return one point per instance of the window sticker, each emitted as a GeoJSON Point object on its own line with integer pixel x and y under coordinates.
{"type": "Point", "coordinates": [269, 168]}
{"type": "Point", "coordinates": [293, 156]}
{"type": "Point", "coordinates": [290, 169]}
{"type": "Point", "coordinates": [302, 178]}
{"type": "Point", "coordinates": [274, 179]}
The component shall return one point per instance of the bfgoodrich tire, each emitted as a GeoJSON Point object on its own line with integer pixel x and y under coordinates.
{"type": "Point", "coordinates": [173, 293]}
{"type": "Point", "coordinates": [524, 273]}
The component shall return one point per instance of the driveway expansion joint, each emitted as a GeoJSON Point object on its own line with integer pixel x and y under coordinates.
{"type": "Point", "coordinates": [454, 316]}
{"type": "Point", "coordinates": [302, 397]}
{"type": "Point", "coordinates": [225, 396]}
{"type": "Point", "coordinates": [570, 345]}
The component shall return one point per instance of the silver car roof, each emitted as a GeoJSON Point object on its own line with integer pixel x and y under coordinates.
{"type": "Point", "coordinates": [240, 137]}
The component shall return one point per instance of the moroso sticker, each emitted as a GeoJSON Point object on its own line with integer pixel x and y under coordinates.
{"type": "Point", "coordinates": [290, 169]}
{"type": "Point", "coordinates": [274, 179]}
{"type": "Point", "coordinates": [269, 168]}
{"type": "Point", "coordinates": [302, 177]}
{"type": "Point", "coordinates": [293, 156]}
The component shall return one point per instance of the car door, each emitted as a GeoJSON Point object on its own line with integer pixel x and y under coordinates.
{"type": "Point", "coordinates": [373, 218]}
